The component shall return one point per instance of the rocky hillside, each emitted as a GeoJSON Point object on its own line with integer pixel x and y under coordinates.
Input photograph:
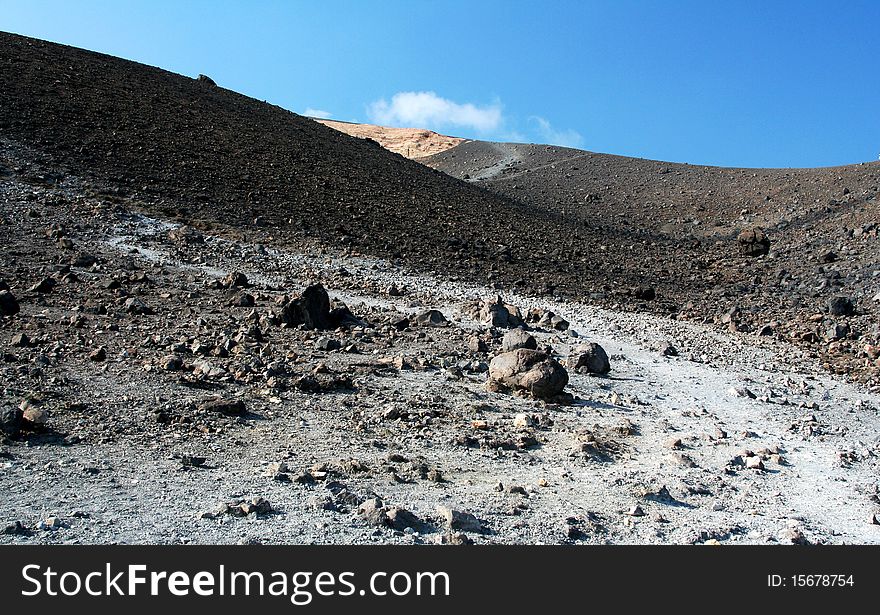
{"type": "Point", "coordinates": [809, 275]}
{"type": "Point", "coordinates": [541, 221]}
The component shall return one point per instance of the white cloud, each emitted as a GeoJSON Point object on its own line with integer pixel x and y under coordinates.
{"type": "Point", "coordinates": [552, 136]}
{"type": "Point", "coordinates": [427, 110]}
{"type": "Point", "coordinates": [318, 113]}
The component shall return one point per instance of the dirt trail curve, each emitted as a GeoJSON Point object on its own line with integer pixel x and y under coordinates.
{"type": "Point", "coordinates": [508, 156]}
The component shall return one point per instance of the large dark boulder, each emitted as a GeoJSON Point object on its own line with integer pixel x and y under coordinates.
{"type": "Point", "coordinates": [8, 304]}
{"type": "Point", "coordinates": [311, 309]}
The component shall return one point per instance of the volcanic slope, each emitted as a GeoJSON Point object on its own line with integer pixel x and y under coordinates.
{"type": "Point", "coordinates": [678, 224]}
{"type": "Point", "coordinates": [206, 155]}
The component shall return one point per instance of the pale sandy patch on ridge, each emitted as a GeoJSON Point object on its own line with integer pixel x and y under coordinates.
{"type": "Point", "coordinates": [410, 142]}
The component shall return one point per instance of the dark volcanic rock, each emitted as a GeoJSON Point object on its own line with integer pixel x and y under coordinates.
{"type": "Point", "coordinates": [311, 309]}
{"type": "Point", "coordinates": [10, 421]}
{"type": "Point", "coordinates": [8, 304]}
{"type": "Point", "coordinates": [840, 306]}
{"type": "Point", "coordinates": [591, 357]}
{"type": "Point", "coordinates": [136, 306]}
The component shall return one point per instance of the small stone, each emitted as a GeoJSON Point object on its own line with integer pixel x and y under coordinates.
{"type": "Point", "coordinates": [523, 420]}
{"type": "Point", "coordinates": [228, 407]}
{"type": "Point", "coordinates": [135, 305]}
{"type": "Point", "coordinates": [792, 535]}
{"type": "Point", "coordinates": [327, 344]}
{"type": "Point", "coordinates": [372, 511]}
{"type": "Point", "coordinates": [743, 392]}
{"type": "Point", "coordinates": [401, 519]}
{"type": "Point", "coordinates": [98, 355]}
{"type": "Point", "coordinates": [517, 338]}
{"type": "Point", "coordinates": [243, 299]}
{"type": "Point", "coordinates": [840, 306]}
{"type": "Point", "coordinates": [52, 524]}
{"type": "Point", "coordinates": [754, 463]}
{"type": "Point", "coordinates": [43, 286]}
{"type": "Point", "coordinates": [235, 280]}
{"type": "Point", "coordinates": [477, 345]}
{"type": "Point", "coordinates": [753, 242]}
{"type": "Point", "coordinates": [32, 415]}
{"type": "Point", "coordinates": [458, 520]}
{"type": "Point", "coordinates": [673, 443]}
{"type": "Point", "coordinates": [430, 318]}
{"type": "Point", "coordinates": [8, 304]}
{"type": "Point", "coordinates": [171, 363]}
{"type": "Point", "coordinates": [636, 511]}
{"type": "Point", "coordinates": [21, 340]}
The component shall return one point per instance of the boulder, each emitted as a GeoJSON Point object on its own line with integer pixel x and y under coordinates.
{"type": "Point", "coordinates": [517, 338]}
{"type": "Point", "coordinates": [235, 279]}
{"type": "Point", "coordinates": [753, 242]}
{"type": "Point", "coordinates": [430, 318]}
{"type": "Point", "coordinates": [532, 371]}
{"type": "Point", "coordinates": [311, 309]}
{"type": "Point", "coordinates": [138, 307]}
{"type": "Point", "coordinates": [477, 345]}
{"type": "Point", "coordinates": [840, 306]}
{"type": "Point", "coordinates": [8, 304]}
{"type": "Point", "coordinates": [591, 357]}
{"type": "Point", "coordinates": [10, 421]}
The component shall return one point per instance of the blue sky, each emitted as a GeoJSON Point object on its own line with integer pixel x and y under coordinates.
{"type": "Point", "coordinates": [763, 83]}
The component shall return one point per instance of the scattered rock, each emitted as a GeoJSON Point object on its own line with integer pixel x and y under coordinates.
{"type": "Point", "coordinates": [17, 529]}
{"type": "Point", "coordinates": [327, 344]}
{"type": "Point", "coordinates": [523, 420]}
{"type": "Point", "coordinates": [228, 407]}
{"type": "Point", "coordinates": [235, 280]}
{"type": "Point", "coordinates": [43, 286]}
{"type": "Point", "coordinates": [516, 339]}
{"type": "Point", "coordinates": [458, 520]}
{"type": "Point", "coordinates": [8, 304]}
{"type": "Point", "coordinates": [753, 242]}
{"type": "Point", "coordinates": [840, 306]}
{"type": "Point", "coordinates": [754, 463]}
{"type": "Point", "coordinates": [477, 345]}
{"type": "Point", "coordinates": [10, 421]}
{"type": "Point", "coordinates": [496, 313]}
{"type": "Point", "coordinates": [430, 318]}
{"type": "Point", "coordinates": [33, 416]}
{"type": "Point", "coordinates": [185, 234]}
{"type": "Point", "coordinates": [531, 371]}
{"type": "Point", "coordinates": [591, 357]}
{"type": "Point", "coordinates": [311, 309]}
{"type": "Point", "coordinates": [135, 305]}
{"type": "Point", "coordinates": [243, 299]}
